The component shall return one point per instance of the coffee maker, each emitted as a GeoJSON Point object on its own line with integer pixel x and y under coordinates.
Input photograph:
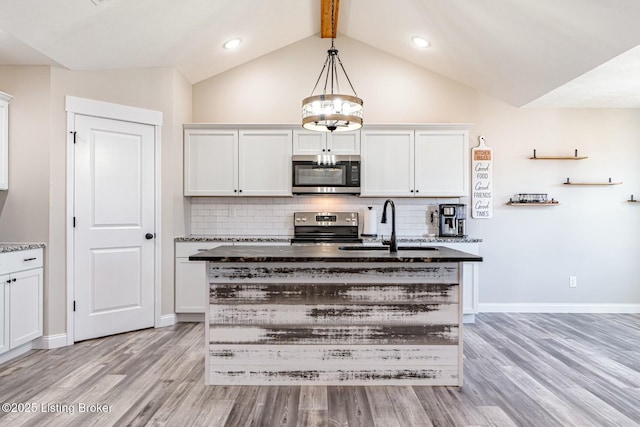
{"type": "Point", "coordinates": [452, 220]}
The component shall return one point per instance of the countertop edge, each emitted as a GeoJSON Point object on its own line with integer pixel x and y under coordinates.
{"type": "Point", "coordinates": [328, 254]}
{"type": "Point", "coordinates": [377, 259]}
{"type": "Point", "coordinates": [365, 240]}
{"type": "Point", "coordinates": [14, 247]}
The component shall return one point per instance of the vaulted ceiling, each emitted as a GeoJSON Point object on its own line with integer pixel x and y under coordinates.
{"type": "Point", "coordinates": [555, 53]}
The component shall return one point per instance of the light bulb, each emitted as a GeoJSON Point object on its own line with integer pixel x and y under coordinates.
{"type": "Point", "coordinates": [232, 44]}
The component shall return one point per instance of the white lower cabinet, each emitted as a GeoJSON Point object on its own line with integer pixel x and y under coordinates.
{"type": "Point", "coordinates": [190, 277]}
{"type": "Point", "coordinates": [21, 299]}
{"type": "Point", "coordinates": [4, 314]}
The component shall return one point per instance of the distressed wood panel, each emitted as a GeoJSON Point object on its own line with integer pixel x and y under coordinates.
{"type": "Point", "coordinates": [256, 355]}
{"type": "Point", "coordinates": [333, 323]}
{"type": "Point", "coordinates": [325, 293]}
{"type": "Point", "coordinates": [372, 374]}
{"type": "Point", "coordinates": [384, 335]}
{"type": "Point", "coordinates": [332, 272]}
{"type": "Point", "coordinates": [333, 314]}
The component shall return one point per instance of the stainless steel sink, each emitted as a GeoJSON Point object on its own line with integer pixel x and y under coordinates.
{"type": "Point", "coordinates": [386, 248]}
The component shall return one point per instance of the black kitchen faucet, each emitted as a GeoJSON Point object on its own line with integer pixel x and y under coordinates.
{"type": "Point", "coordinates": [393, 243]}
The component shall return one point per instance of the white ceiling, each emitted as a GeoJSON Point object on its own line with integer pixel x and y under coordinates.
{"type": "Point", "coordinates": [542, 53]}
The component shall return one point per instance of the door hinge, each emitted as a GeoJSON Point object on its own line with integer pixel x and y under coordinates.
{"type": "Point", "coordinates": [74, 136]}
{"type": "Point", "coordinates": [74, 222]}
{"type": "Point", "coordinates": [74, 305]}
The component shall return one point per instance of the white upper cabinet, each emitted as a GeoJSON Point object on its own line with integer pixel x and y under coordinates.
{"type": "Point", "coordinates": [387, 163]}
{"type": "Point", "coordinates": [441, 163]}
{"type": "Point", "coordinates": [309, 143]}
{"type": "Point", "coordinates": [232, 162]}
{"type": "Point", "coordinates": [210, 162]}
{"type": "Point", "coordinates": [265, 163]}
{"type": "Point", "coordinates": [432, 161]}
{"type": "Point", "coordinates": [4, 140]}
{"type": "Point", "coordinates": [312, 143]}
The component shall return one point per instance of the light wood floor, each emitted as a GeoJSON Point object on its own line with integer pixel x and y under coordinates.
{"type": "Point", "coordinates": [520, 370]}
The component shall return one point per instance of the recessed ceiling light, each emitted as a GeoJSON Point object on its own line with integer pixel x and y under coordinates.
{"type": "Point", "coordinates": [420, 42]}
{"type": "Point", "coordinates": [232, 44]}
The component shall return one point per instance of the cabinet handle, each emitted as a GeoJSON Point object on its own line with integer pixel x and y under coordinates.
{"type": "Point", "coordinates": [417, 191]}
{"type": "Point", "coordinates": [329, 150]}
{"type": "Point", "coordinates": [14, 279]}
{"type": "Point", "coordinates": [235, 191]}
{"type": "Point", "coordinates": [240, 191]}
{"type": "Point", "coordinates": [323, 150]}
{"type": "Point", "coordinates": [29, 259]}
{"type": "Point", "coordinates": [411, 191]}
{"type": "Point", "coordinates": [8, 281]}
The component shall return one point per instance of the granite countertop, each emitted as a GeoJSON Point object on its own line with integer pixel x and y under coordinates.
{"type": "Point", "coordinates": [249, 239]}
{"type": "Point", "coordinates": [287, 239]}
{"type": "Point", "coordinates": [328, 253]}
{"type": "Point", "coordinates": [13, 247]}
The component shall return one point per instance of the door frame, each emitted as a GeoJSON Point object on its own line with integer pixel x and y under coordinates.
{"type": "Point", "coordinates": [89, 107]}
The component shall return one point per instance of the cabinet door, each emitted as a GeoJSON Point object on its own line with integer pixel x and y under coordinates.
{"type": "Point", "coordinates": [191, 282]}
{"type": "Point", "coordinates": [4, 314]}
{"type": "Point", "coordinates": [441, 163]}
{"type": "Point", "coordinates": [4, 142]}
{"type": "Point", "coordinates": [25, 307]}
{"type": "Point", "coordinates": [191, 277]}
{"type": "Point", "coordinates": [344, 143]}
{"type": "Point", "coordinates": [265, 162]}
{"type": "Point", "coordinates": [210, 162]}
{"type": "Point", "coordinates": [387, 163]}
{"type": "Point", "coordinates": [309, 143]}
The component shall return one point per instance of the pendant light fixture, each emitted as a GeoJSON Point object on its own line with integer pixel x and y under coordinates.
{"type": "Point", "coordinates": [332, 111]}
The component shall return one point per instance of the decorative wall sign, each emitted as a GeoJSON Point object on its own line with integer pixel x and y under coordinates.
{"type": "Point", "coordinates": [481, 181]}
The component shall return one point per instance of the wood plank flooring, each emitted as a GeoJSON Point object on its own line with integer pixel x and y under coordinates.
{"type": "Point", "coordinates": [520, 370]}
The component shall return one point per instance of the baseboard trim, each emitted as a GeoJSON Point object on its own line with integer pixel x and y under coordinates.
{"type": "Point", "coordinates": [49, 342]}
{"type": "Point", "coordinates": [191, 317]}
{"type": "Point", "coordinates": [558, 308]}
{"type": "Point", "coordinates": [167, 320]}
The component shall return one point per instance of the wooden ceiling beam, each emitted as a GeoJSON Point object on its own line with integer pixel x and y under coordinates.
{"type": "Point", "coordinates": [325, 13]}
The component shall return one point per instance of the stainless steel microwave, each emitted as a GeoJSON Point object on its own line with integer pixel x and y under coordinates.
{"type": "Point", "coordinates": [326, 174]}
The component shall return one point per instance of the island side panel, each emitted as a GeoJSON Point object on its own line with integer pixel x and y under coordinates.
{"type": "Point", "coordinates": [334, 323]}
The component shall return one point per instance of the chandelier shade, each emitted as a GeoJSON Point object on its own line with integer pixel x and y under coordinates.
{"type": "Point", "coordinates": [332, 113]}
{"type": "Point", "coordinates": [330, 110]}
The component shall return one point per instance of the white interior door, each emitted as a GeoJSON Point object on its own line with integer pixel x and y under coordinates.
{"type": "Point", "coordinates": [114, 227]}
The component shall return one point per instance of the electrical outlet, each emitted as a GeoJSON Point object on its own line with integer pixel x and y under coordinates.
{"type": "Point", "coordinates": [573, 281]}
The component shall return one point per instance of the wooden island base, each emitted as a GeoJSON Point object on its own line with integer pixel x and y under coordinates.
{"type": "Point", "coordinates": [334, 323]}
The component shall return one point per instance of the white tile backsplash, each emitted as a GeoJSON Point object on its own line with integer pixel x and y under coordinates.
{"type": "Point", "coordinates": [273, 216]}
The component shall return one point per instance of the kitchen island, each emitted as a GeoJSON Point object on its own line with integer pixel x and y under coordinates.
{"type": "Point", "coordinates": [320, 315]}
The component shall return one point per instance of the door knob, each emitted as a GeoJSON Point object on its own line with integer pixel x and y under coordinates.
{"type": "Point", "coordinates": [148, 236]}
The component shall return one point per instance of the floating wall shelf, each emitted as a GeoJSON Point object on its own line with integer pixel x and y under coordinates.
{"type": "Point", "coordinates": [574, 157]}
{"type": "Point", "coordinates": [568, 182]}
{"type": "Point", "coordinates": [550, 203]}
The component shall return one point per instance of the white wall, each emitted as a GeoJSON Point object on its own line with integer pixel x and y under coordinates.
{"type": "Point", "coordinates": [34, 208]}
{"type": "Point", "coordinates": [161, 89]}
{"type": "Point", "coordinates": [529, 253]}
{"type": "Point", "coordinates": [24, 207]}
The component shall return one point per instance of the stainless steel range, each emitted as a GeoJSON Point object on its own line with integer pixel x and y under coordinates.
{"type": "Point", "coordinates": [325, 227]}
